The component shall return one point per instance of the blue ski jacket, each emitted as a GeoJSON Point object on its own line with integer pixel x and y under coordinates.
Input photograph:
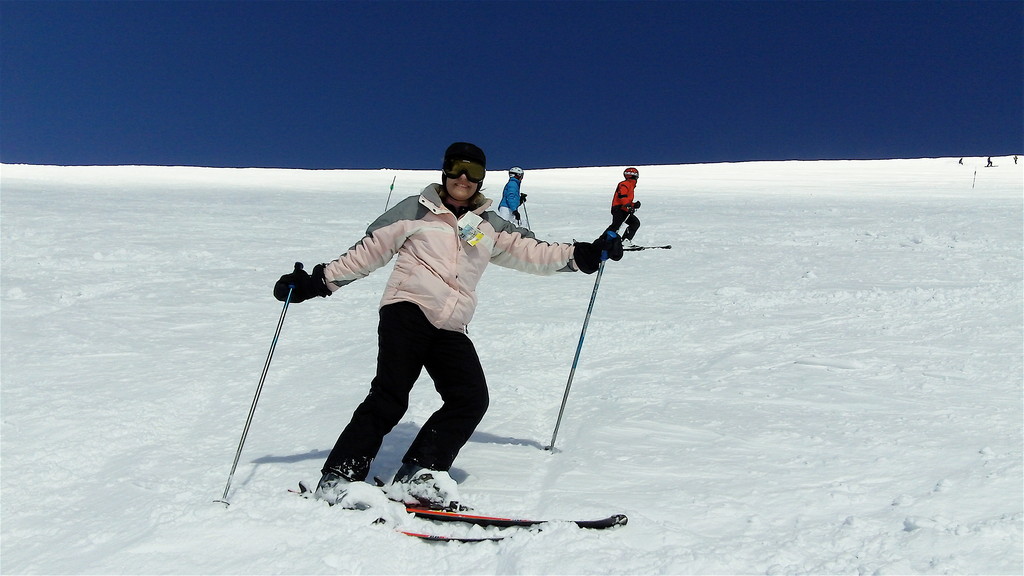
{"type": "Point", "coordinates": [510, 195]}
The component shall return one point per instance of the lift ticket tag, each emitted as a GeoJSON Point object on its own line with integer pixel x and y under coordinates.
{"type": "Point", "coordinates": [469, 228]}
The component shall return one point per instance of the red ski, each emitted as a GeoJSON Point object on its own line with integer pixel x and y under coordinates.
{"type": "Point", "coordinates": [440, 538]}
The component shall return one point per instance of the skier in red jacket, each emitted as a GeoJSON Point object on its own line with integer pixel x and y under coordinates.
{"type": "Point", "coordinates": [623, 206]}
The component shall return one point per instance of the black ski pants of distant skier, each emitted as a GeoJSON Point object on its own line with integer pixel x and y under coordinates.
{"type": "Point", "coordinates": [407, 343]}
{"type": "Point", "coordinates": [619, 216]}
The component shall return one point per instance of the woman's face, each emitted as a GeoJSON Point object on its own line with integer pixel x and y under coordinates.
{"type": "Point", "coordinates": [460, 189]}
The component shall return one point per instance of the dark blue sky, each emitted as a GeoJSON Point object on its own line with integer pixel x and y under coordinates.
{"type": "Point", "coordinates": [539, 84]}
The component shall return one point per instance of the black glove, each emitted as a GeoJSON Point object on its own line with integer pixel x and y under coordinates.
{"type": "Point", "coordinates": [302, 285]}
{"type": "Point", "coordinates": [522, 198]}
{"type": "Point", "coordinates": [516, 214]}
{"type": "Point", "coordinates": [636, 205]}
{"type": "Point", "coordinates": [589, 255]}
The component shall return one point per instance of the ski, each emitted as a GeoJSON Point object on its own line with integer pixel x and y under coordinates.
{"type": "Point", "coordinates": [465, 515]}
{"type": "Point", "coordinates": [496, 522]}
{"type": "Point", "coordinates": [501, 522]}
{"type": "Point", "coordinates": [440, 538]}
{"type": "Point", "coordinates": [636, 248]}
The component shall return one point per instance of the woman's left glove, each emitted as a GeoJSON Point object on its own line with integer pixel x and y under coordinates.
{"type": "Point", "coordinates": [589, 255]}
{"type": "Point", "coordinates": [302, 285]}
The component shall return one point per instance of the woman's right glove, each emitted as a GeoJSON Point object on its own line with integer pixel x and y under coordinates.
{"type": "Point", "coordinates": [302, 285]}
{"type": "Point", "coordinates": [589, 255]}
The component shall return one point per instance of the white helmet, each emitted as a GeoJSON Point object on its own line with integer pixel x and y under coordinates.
{"type": "Point", "coordinates": [516, 171]}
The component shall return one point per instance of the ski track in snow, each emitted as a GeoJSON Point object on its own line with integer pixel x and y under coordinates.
{"type": "Point", "coordinates": [823, 375]}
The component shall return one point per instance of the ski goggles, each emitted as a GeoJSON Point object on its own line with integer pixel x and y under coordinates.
{"type": "Point", "coordinates": [474, 171]}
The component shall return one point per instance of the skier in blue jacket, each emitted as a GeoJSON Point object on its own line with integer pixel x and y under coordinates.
{"type": "Point", "coordinates": [511, 198]}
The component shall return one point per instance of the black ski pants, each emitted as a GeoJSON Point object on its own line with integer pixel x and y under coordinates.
{"type": "Point", "coordinates": [407, 343]}
{"type": "Point", "coordinates": [618, 217]}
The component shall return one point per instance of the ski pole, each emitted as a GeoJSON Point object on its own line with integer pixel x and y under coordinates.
{"type": "Point", "coordinates": [259, 388]}
{"type": "Point", "coordinates": [575, 361]}
{"type": "Point", "coordinates": [525, 215]}
{"type": "Point", "coordinates": [388, 203]}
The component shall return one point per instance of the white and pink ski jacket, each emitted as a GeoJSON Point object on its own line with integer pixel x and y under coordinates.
{"type": "Point", "coordinates": [436, 269]}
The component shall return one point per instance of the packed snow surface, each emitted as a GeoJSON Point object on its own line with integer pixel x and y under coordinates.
{"type": "Point", "coordinates": [822, 375]}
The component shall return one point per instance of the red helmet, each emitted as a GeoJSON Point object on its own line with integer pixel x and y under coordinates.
{"type": "Point", "coordinates": [631, 173]}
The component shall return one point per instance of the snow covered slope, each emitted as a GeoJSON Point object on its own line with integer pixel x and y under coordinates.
{"type": "Point", "coordinates": [824, 374]}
